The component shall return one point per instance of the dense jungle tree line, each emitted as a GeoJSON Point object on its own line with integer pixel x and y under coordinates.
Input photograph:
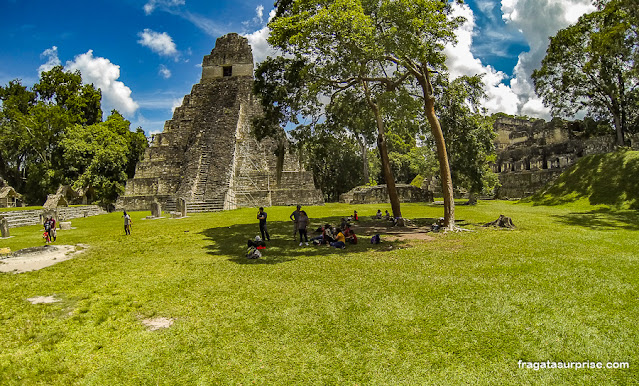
{"type": "Point", "coordinates": [53, 134]}
{"type": "Point", "coordinates": [370, 82]}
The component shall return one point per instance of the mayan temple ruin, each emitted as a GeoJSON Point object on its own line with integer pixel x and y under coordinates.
{"type": "Point", "coordinates": [532, 153]}
{"type": "Point", "coordinates": [207, 154]}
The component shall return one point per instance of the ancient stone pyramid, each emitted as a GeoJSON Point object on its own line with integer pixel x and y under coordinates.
{"type": "Point", "coordinates": [207, 154]}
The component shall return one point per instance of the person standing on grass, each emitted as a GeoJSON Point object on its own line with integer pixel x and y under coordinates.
{"type": "Point", "coordinates": [294, 217]}
{"type": "Point", "coordinates": [52, 232]}
{"type": "Point", "coordinates": [127, 223]}
{"type": "Point", "coordinates": [261, 215]}
{"type": "Point", "coordinates": [302, 223]}
{"type": "Point", "coordinates": [47, 230]}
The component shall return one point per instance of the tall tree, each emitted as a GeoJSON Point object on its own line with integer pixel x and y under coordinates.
{"type": "Point", "coordinates": [373, 47]}
{"type": "Point", "coordinates": [17, 100]}
{"type": "Point", "coordinates": [348, 114]}
{"type": "Point", "coordinates": [65, 90]}
{"type": "Point", "coordinates": [469, 133]}
{"type": "Point", "coordinates": [592, 66]}
{"type": "Point", "coordinates": [53, 134]}
{"type": "Point", "coordinates": [332, 156]}
{"type": "Point", "coordinates": [100, 155]}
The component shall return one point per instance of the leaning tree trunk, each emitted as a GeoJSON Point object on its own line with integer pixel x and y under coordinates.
{"type": "Point", "coordinates": [389, 178]}
{"type": "Point", "coordinates": [618, 129]}
{"type": "Point", "coordinates": [442, 156]}
{"type": "Point", "coordinates": [387, 172]}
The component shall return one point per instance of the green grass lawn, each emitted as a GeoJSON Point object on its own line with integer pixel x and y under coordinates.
{"type": "Point", "coordinates": [20, 208]}
{"type": "Point", "coordinates": [463, 308]}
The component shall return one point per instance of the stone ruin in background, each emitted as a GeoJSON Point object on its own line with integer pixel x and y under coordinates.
{"type": "Point", "coordinates": [532, 153]}
{"type": "Point", "coordinates": [379, 194]}
{"type": "Point", "coordinates": [207, 153]}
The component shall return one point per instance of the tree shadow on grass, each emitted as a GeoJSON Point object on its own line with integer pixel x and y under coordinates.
{"type": "Point", "coordinates": [232, 241]}
{"type": "Point", "coordinates": [603, 219]}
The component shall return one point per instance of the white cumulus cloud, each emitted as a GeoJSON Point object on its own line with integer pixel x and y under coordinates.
{"type": "Point", "coordinates": [537, 20]}
{"type": "Point", "coordinates": [52, 59]}
{"type": "Point", "coordinates": [177, 102]}
{"type": "Point", "coordinates": [104, 75]}
{"type": "Point", "coordinates": [461, 61]}
{"type": "Point", "coordinates": [164, 72]}
{"type": "Point", "coordinates": [259, 14]}
{"type": "Point", "coordinates": [151, 5]}
{"type": "Point", "coordinates": [159, 42]}
{"type": "Point", "coordinates": [257, 40]}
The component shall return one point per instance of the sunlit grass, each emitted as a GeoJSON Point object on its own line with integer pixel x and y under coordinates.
{"type": "Point", "coordinates": [461, 309]}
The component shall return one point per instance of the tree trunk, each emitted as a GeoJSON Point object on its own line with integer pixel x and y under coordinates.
{"type": "Point", "coordinates": [362, 146]}
{"type": "Point", "coordinates": [387, 172]}
{"type": "Point", "coordinates": [444, 168]}
{"type": "Point", "coordinates": [618, 129]}
{"type": "Point", "coordinates": [442, 156]}
{"type": "Point", "coordinates": [388, 177]}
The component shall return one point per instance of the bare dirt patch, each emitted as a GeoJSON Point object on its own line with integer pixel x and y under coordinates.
{"type": "Point", "coordinates": [158, 323]}
{"type": "Point", "coordinates": [393, 233]}
{"type": "Point", "coordinates": [43, 299]}
{"type": "Point", "coordinates": [35, 258]}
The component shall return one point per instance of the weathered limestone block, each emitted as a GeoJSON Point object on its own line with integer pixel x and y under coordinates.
{"type": "Point", "coordinates": [182, 207]}
{"type": "Point", "coordinates": [4, 227]}
{"type": "Point", "coordinates": [156, 209]}
{"type": "Point", "coordinates": [532, 153]}
{"type": "Point", "coordinates": [65, 225]}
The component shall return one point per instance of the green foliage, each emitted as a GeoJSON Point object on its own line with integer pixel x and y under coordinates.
{"type": "Point", "coordinates": [418, 181]}
{"type": "Point", "coordinates": [65, 89]}
{"type": "Point", "coordinates": [53, 135]}
{"type": "Point", "coordinates": [469, 133]}
{"type": "Point", "coordinates": [279, 83]}
{"type": "Point", "coordinates": [100, 156]}
{"type": "Point", "coordinates": [333, 157]}
{"type": "Point", "coordinates": [369, 52]}
{"type": "Point", "coordinates": [592, 67]}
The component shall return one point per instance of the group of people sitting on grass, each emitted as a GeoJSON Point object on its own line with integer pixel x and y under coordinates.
{"type": "Point", "coordinates": [336, 237]}
{"type": "Point", "coordinates": [333, 236]}
{"type": "Point", "coordinates": [386, 217]}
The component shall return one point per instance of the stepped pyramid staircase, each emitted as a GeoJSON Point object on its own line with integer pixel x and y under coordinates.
{"type": "Point", "coordinates": [198, 200]}
{"type": "Point", "coordinates": [252, 174]}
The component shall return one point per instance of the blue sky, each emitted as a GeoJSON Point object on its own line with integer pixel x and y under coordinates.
{"type": "Point", "coordinates": [146, 55]}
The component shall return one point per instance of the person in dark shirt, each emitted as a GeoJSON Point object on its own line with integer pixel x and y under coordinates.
{"type": "Point", "coordinates": [295, 217]}
{"type": "Point", "coordinates": [302, 223]}
{"type": "Point", "coordinates": [261, 215]}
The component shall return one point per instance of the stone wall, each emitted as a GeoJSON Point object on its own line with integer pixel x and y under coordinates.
{"type": "Point", "coordinates": [207, 154]}
{"type": "Point", "coordinates": [18, 218]}
{"type": "Point", "coordinates": [531, 154]}
{"type": "Point", "coordinates": [379, 194]}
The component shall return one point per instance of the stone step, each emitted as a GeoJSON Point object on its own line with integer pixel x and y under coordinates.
{"type": "Point", "coordinates": [205, 206]}
{"type": "Point", "coordinates": [20, 218]}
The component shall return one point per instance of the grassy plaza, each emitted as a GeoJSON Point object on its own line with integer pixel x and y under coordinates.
{"type": "Point", "coordinates": [457, 308]}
